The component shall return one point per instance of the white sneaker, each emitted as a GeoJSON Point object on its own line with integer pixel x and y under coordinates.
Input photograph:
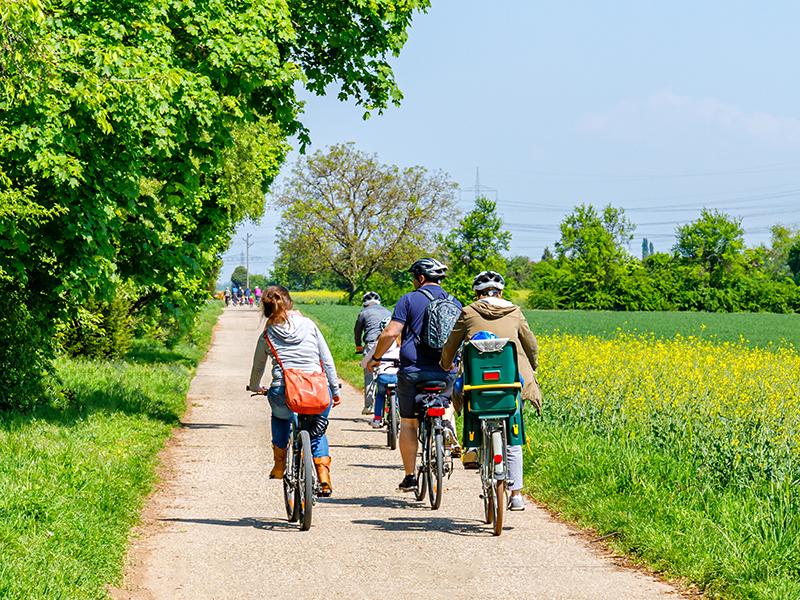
{"type": "Point", "coordinates": [367, 410]}
{"type": "Point", "coordinates": [376, 424]}
{"type": "Point", "coordinates": [516, 502]}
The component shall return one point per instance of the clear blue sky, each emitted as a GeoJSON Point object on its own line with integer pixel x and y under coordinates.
{"type": "Point", "coordinates": [661, 108]}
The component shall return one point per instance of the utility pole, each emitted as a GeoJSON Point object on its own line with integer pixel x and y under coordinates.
{"type": "Point", "coordinates": [479, 190]}
{"type": "Point", "coordinates": [247, 244]}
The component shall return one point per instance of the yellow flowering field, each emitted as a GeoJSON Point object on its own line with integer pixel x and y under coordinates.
{"type": "Point", "coordinates": [735, 410]}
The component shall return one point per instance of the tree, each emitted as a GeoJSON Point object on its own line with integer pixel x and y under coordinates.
{"type": "Point", "coordinates": [714, 241]}
{"type": "Point", "coordinates": [547, 255]}
{"type": "Point", "coordinates": [135, 136]}
{"type": "Point", "coordinates": [651, 250]}
{"type": "Point", "coordinates": [239, 277]}
{"type": "Point", "coordinates": [519, 270]}
{"type": "Point", "coordinates": [793, 259]}
{"type": "Point", "coordinates": [345, 212]}
{"type": "Point", "coordinates": [645, 248]}
{"type": "Point", "coordinates": [476, 244]}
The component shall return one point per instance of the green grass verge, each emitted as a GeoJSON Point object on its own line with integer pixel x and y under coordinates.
{"type": "Point", "coordinates": [73, 479]}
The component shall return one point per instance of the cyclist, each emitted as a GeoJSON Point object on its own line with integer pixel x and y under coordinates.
{"type": "Point", "coordinates": [227, 296]}
{"type": "Point", "coordinates": [418, 362]}
{"type": "Point", "coordinates": [367, 330]}
{"type": "Point", "coordinates": [385, 374]}
{"type": "Point", "coordinates": [490, 312]}
{"type": "Point", "coordinates": [300, 345]}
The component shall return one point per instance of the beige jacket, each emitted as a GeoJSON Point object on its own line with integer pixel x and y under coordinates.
{"type": "Point", "coordinates": [505, 320]}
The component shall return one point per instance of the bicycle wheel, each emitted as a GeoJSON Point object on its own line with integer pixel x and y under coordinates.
{"type": "Point", "coordinates": [486, 484]}
{"type": "Point", "coordinates": [435, 469]}
{"type": "Point", "coordinates": [499, 506]}
{"type": "Point", "coordinates": [289, 485]}
{"type": "Point", "coordinates": [392, 422]}
{"type": "Point", "coordinates": [305, 487]}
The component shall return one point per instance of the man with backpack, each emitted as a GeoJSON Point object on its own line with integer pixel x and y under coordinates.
{"type": "Point", "coordinates": [423, 319]}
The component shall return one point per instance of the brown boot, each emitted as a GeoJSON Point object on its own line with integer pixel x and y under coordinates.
{"type": "Point", "coordinates": [323, 465]}
{"type": "Point", "coordinates": [280, 462]}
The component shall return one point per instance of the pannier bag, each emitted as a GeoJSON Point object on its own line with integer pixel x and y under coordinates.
{"type": "Point", "coordinates": [306, 393]}
{"type": "Point", "coordinates": [440, 317]}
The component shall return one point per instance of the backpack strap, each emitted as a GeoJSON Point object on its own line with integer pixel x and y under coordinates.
{"type": "Point", "coordinates": [428, 295]}
{"type": "Point", "coordinates": [272, 348]}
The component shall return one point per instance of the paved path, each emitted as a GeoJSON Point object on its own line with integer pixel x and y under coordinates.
{"type": "Point", "coordinates": [216, 526]}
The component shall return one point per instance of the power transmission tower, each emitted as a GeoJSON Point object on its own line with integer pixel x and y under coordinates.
{"type": "Point", "coordinates": [478, 189]}
{"type": "Point", "coordinates": [247, 244]}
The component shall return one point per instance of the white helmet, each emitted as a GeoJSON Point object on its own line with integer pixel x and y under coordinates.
{"type": "Point", "coordinates": [488, 280]}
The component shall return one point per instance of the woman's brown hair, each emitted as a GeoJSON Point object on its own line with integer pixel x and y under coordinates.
{"type": "Point", "coordinates": [276, 303]}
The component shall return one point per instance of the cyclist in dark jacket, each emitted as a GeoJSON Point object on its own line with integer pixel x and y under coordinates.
{"type": "Point", "coordinates": [367, 330]}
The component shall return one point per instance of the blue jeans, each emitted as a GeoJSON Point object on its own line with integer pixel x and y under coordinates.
{"type": "Point", "coordinates": [282, 419]}
{"type": "Point", "coordinates": [382, 381]}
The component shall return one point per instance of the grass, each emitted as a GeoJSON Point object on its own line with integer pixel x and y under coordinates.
{"type": "Point", "coordinates": [686, 451]}
{"type": "Point", "coordinates": [756, 329]}
{"type": "Point", "coordinates": [73, 478]}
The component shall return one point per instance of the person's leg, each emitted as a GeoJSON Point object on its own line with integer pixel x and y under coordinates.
{"type": "Point", "coordinates": [369, 392]}
{"type": "Point", "coordinates": [514, 454]}
{"type": "Point", "coordinates": [320, 450]}
{"type": "Point", "coordinates": [406, 392]}
{"type": "Point", "coordinates": [281, 428]}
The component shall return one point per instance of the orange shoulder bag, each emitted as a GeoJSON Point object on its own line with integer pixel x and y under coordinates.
{"type": "Point", "coordinates": [306, 393]}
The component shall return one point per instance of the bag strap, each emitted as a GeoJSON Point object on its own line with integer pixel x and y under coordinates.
{"type": "Point", "coordinates": [272, 348]}
{"type": "Point", "coordinates": [428, 295]}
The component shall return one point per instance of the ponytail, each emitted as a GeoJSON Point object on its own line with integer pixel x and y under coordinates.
{"type": "Point", "coordinates": [277, 303]}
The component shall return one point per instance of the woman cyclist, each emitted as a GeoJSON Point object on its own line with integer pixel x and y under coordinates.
{"type": "Point", "coordinates": [490, 312]}
{"type": "Point", "coordinates": [300, 345]}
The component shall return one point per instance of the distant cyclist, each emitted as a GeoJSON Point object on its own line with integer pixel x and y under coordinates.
{"type": "Point", "coordinates": [385, 375]}
{"type": "Point", "coordinates": [418, 361]}
{"type": "Point", "coordinates": [490, 312]}
{"type": "Point", "coordinates": [367, 330]}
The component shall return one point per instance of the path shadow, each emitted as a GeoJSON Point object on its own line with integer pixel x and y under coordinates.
{"type": "Point", "coordinates": [266, 524]}
{"type": "Point", "coordinates": [207, 425]}
{"type": "Point", "coordinates": [362, 466]}
{"type": "Point", "coordinates": [351, 419]}
{"type": "Point", "coordinates": [365, 430]}
{"type": "Point", "coordinates": [360, 446]}
{"type": "Point", "coordinates": [373, 502]}
{"type": "Point", "coordinates": [460, 527]}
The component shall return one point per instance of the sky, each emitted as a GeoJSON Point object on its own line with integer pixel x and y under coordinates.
{"type": "Point", "coordinates": [661, 108]}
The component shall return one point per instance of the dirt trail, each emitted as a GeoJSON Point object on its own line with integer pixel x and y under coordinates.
{"type": "Point", "coordinates": [216, 527]}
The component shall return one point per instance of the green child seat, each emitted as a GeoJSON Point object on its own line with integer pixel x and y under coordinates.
{"type": "Point", "coordinates": [491, 388]}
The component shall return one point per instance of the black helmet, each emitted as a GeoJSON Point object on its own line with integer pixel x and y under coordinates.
{"type": "Point", "coordinates": [370, 297]}
{"type": "Point", "coordinates": [429, 267]}
{"type": "Point", "coordinates": [488, 280]}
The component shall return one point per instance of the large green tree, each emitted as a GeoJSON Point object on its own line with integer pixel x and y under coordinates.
{"type": "Point", "coordinates": [347, 213]}
{"type": "Point", "coordinates": [714, 241]}
{"type": "Point", "coordinates": [475, 244]}
{"type": "Point", "coordinates": [135, 135]}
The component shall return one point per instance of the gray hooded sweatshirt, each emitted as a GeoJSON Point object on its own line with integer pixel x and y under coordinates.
{"type": "Point", "coordinates": [300, 345]}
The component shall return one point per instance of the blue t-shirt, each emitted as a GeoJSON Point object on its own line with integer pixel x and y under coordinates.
{"type": "Point", "coordinates": [410, 311]}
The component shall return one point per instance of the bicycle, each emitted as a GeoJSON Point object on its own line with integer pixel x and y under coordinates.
{"type": "Point", "coordinates": [390, 419]}
{"type": "Point", "coordinates": [300, 485]}
{"type": "Point", "coordinates": [435, 462]}
{"type": "Point", "coordinates": [493, 398]}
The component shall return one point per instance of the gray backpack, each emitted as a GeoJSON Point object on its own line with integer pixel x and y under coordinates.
{"type": "Point", "coordinates": [440, 318]}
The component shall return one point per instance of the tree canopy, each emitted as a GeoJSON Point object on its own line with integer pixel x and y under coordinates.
{"type": "Point", "coordinates": [134, 136]}
{"type": "Point", "coordinates": [347, 213]}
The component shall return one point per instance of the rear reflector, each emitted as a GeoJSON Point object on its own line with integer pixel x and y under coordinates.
{"type": "Point", "coordinates": [491, 375]}
{"type": "Point", "coordinates": [498, 458]}
{"type": "Point", "coordinates": [436, 411]}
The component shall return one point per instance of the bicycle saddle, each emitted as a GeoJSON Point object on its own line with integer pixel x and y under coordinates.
{"type": "Point", "coordinates": [431, 386]}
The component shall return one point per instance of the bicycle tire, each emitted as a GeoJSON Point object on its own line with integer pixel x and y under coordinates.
{"type": "Point", "coordinates": [486, 484]}
{"type": "Point", "coordinates": [306, 484]}
{"type": "Point", "coordinates": [392, 423]}
{"type": "Point", "coordinates": [289, 485]}
{"type": "Point", "coordinates": [499, 498]}
{"type": "Point", "coordinates": [436, 470]}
